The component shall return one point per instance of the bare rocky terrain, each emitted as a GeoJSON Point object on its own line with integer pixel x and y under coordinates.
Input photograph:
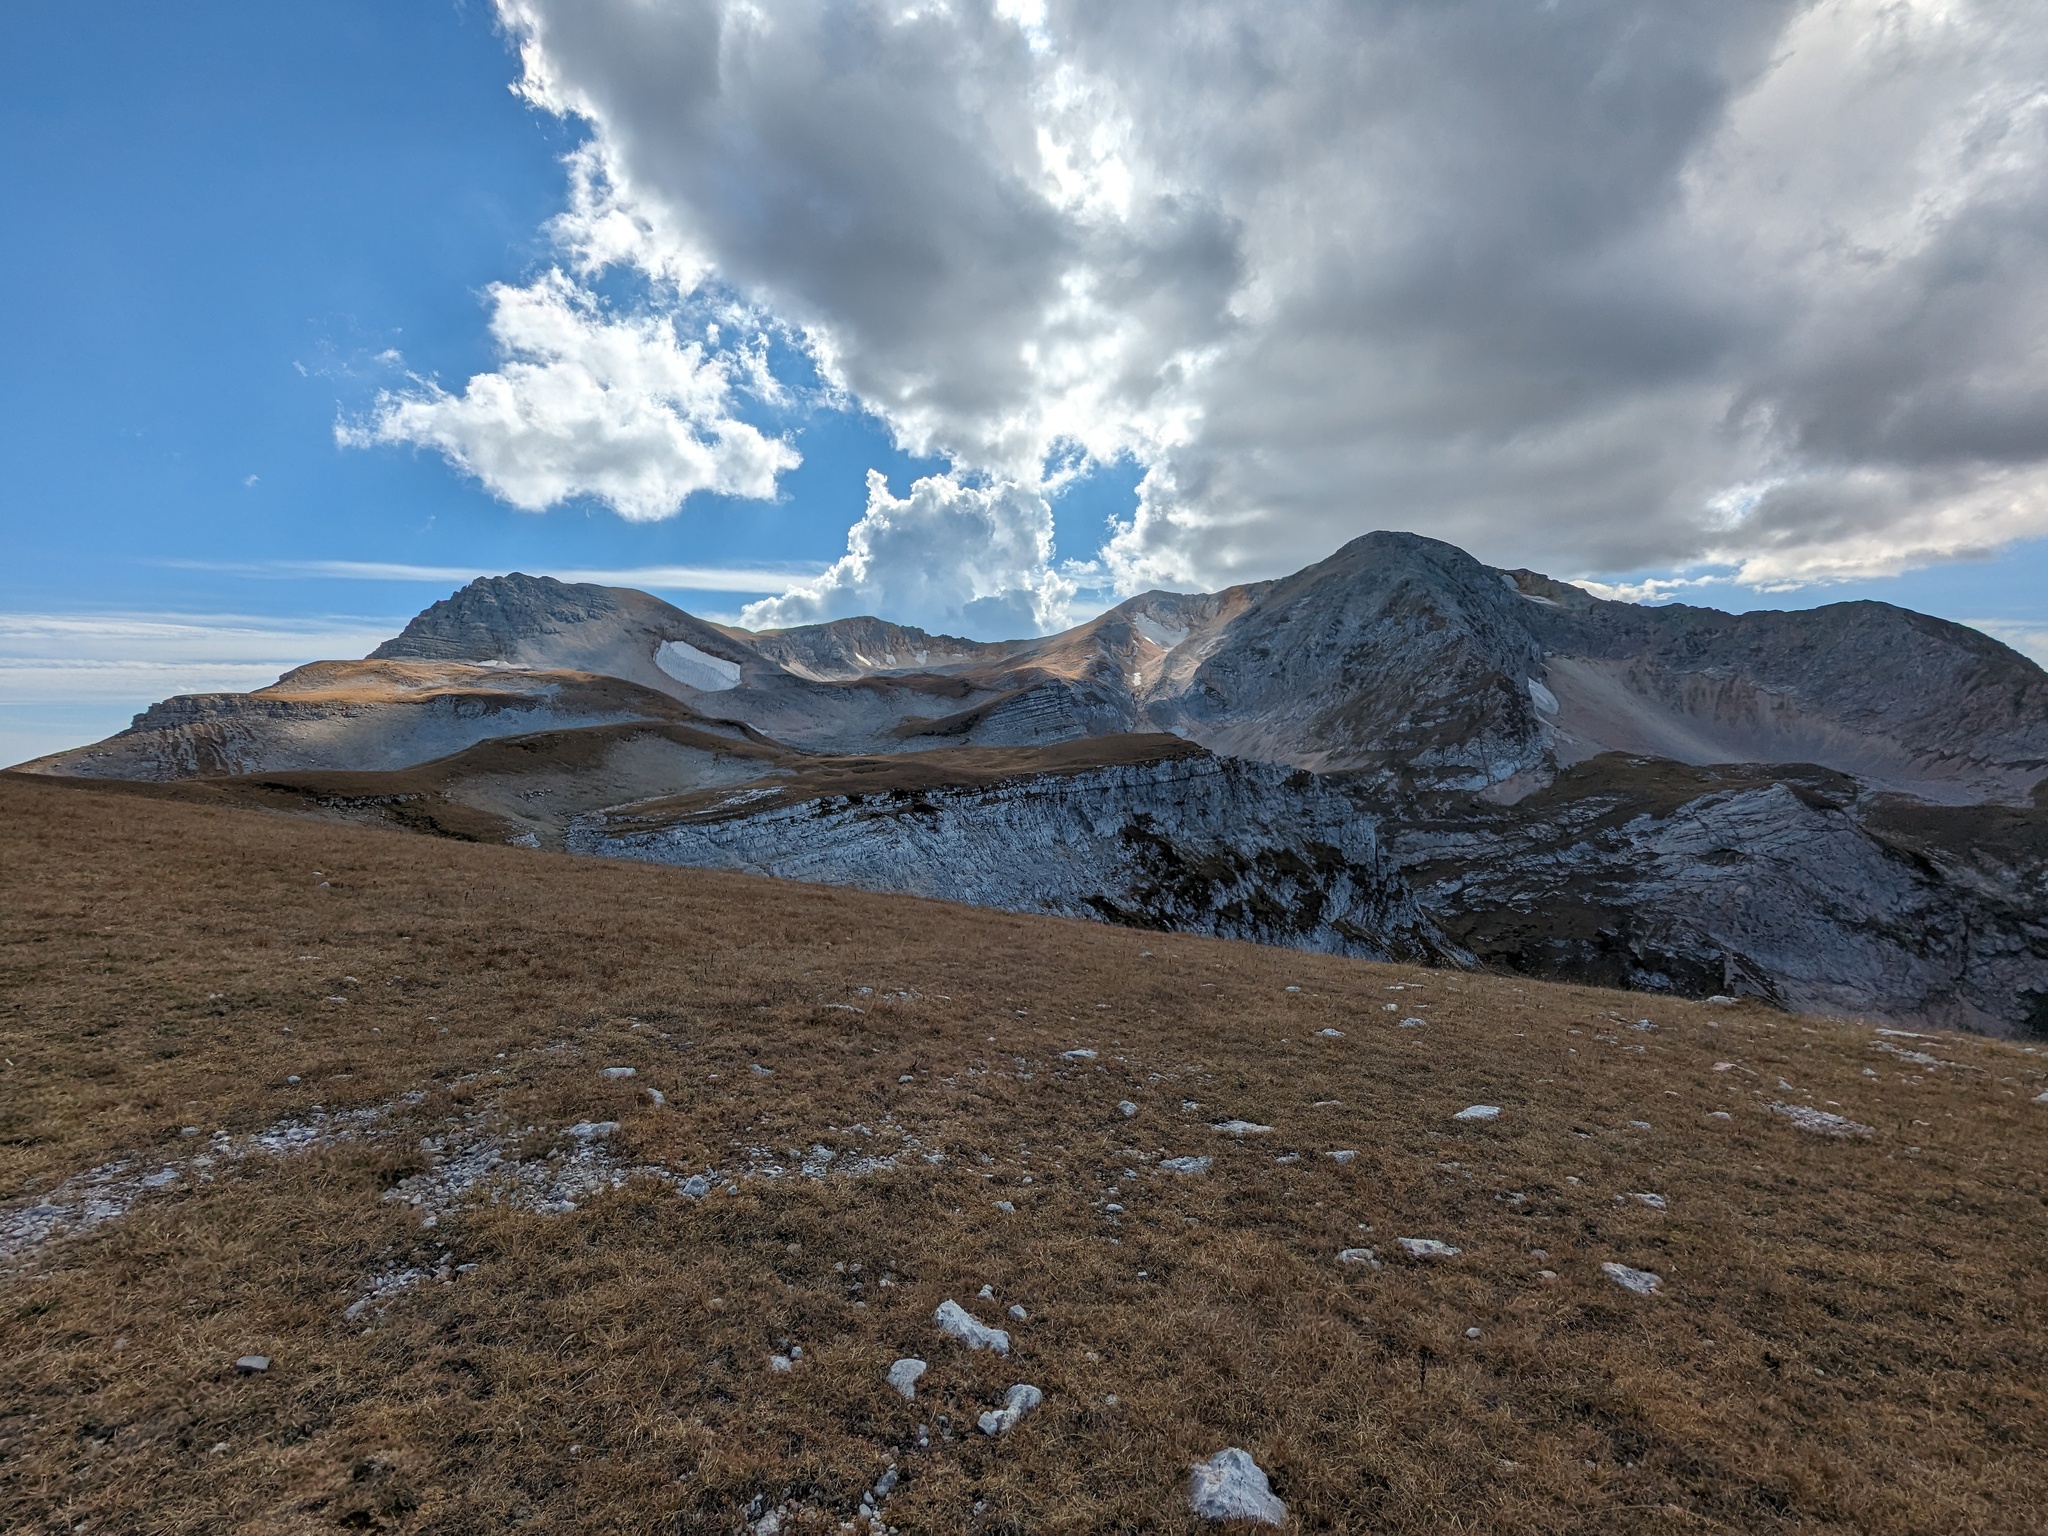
{"type": "Point", "coordinates": [1398, 751]}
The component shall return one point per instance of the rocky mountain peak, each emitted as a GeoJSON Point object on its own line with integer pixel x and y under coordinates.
{"type": "Point", "coordinates": [490, 618]}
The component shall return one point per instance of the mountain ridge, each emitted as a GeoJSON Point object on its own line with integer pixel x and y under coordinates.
{"type": "Point", "coordinates": [1671, 798]}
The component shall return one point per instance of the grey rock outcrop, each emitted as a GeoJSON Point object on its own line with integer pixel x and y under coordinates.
{"type": "Point", "coordinates": [1794, 886]}
{"type": "Point", "coordinates": [1192, 843]}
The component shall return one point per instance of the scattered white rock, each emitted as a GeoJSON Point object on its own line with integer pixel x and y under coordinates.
{"type": "Point", "coordinates": [1186, 1165]}
{"type": "Point", "coordinates": [2039, 1098]}
{"type": "Point", "coordinates": [1342, 1156]}
{"type": "Point", "coordinates": [1427, 1248]}
{"type": "Point", "coordinates": [986, 1293]}
{"type": "Point", "coordinates": [1641, 1281]}
{"type": "Point", "coordinates": [1643, 1025]}
{"type": "Point", "coordinates": [955, 1321]}
{"type": "Point", "coordinates": [1294, 989]}
{"type": "Point", "coordinates": [760, 1071]}
{"type": "Point", "coordinates": [253, 1365]}
{"type": "Point", "coordinates": [1363, 1256]}
{"type": "Point", "coordinates": [1412, 1023]}
{"type": "Point", "coordinates": [1471, 1333]}
{"type": "Point", "coordinates": [1720, 1114]}
{"type": "Point", "coordinates": [1242, 1128]}
{"type": "Point", "coordinates": [1018, 1314]}
{"type": "Point", "coordinates": [695, 1187]}
{"type": "Point", "coordinates": [617, 1072]}
{"type": "Point", "coordinates": [1127, 1108]}
{"type": "Point", "coordinates": [1654, 1202]}
{"type": "Point", "coordinates": [1006, 1207]}
{"type": "Point", "coordinates": [1017, 1402]}
{"type": "Point", "coordinates": [781, 1363]}
{"type": "Point", "coordinates": [1820, 1122]}
{"type": "Point", "coordinates": [1331, 1034]}
{"type": "Point", "coordinates": [1231, 1486]}
{"type": "Point", "coordinates": [1478, 1112]}
{"type": "Point", "coordinates": [903, 1377]}
{"type": "Point", "coordinates": [1720, 1000]}
{"type": "Point", "coordinates": [593, 1130]}
{"type": "Point", "coordinates": [1080, 1053]}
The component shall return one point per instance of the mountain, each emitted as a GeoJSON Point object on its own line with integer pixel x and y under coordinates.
{"type": "Point", "coordinates": [1399, 750]}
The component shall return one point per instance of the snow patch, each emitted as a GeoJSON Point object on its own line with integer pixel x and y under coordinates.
{"type": "Point", "coordinates": [696, 669]}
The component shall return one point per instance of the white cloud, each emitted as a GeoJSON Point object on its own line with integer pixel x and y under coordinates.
{"type": "Point", "coordinates": [949, 557]}
{"type": "Point", "coordinates": [587, 404]}
{"type": "Point", "coordinates": [1595, 287]}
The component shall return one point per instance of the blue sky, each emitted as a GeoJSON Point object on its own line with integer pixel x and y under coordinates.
{"type": "Point", "coordinates": [236, 224]}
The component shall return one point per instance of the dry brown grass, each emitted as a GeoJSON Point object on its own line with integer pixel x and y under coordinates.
{"type": "Point", "coordinates": [1850, 1336]}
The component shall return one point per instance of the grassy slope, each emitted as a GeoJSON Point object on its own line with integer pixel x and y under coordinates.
{"type": "Point", "coordinates": [1851, 1334]}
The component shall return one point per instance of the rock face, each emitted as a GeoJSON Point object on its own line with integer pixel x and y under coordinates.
{"type": "Point", "coordinates": [1795, 886]}
{"type": "Point", "coordinates": [1195, 844]}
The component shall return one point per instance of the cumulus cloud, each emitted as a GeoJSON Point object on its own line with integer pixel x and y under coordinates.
{"type": "Point", "coordinates": [949, 557]}
{"type": "Point", "coordinates": [587, 403]}
{"type": "Point", "coordinates": [1591, 285]}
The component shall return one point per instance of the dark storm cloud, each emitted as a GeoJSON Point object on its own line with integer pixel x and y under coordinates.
{"type": "Point", "coordinates": [1605, 285]}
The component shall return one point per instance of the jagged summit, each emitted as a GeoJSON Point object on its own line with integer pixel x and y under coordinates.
{"type": "Point", "coordinates": [492, 617]}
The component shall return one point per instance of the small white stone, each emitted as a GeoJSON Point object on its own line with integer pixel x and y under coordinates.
{"type": "Point", "coordinates": [1478, 1112]}
{"type": "Point", "coordinates": [1079, 1053]}
{"type": "Point", "coordinates": [903, 1377]}
{"type": "Point", "coordinates": [1342, 1156]}
{"type": "Point", "coordinates": [1017, 1402]}
{"type": "Point", "coordinates": [1127, 1107]}
{"type": "Point", "coordinates": [1331, 1034]}
{"type": "Point", "coordinates": [781, 1363]}
{"type": "Point", "coordinates": [1427, 1248]}
{"type": "Point", "coordinates": [1242, 1128]}
{"type": "Point", "coordinates": [1471, 1333]}
{"type": "Point", "coordinates": [1231, 1486]}
{"type": "Point", "coordinates": [957, 1322]}
{"type": "Point", "coordinates": [696, 1186]}
{"type": "Point", "coordinates": [617, 1072]}
{"type": "Point", "coordinates": [1641, 1281]}
{"type": "Point", "coordinates": [1006, 1207]}
{"type": "Point", "coordinates": [1186, 1165]}
{"type": "Point", "coordinates": [253, 1365]}
{"type": "Point", "coordinates": [1411, 1023]}
{"type": "Point", "coordinates": [1018, 1314]}
{"type": "Point", "coordinates": [1654, 1202]}
{"type": "Point", "coordinates": [592, 1130]}
{"type": "Point", "coordinates": [1363, 1256]}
